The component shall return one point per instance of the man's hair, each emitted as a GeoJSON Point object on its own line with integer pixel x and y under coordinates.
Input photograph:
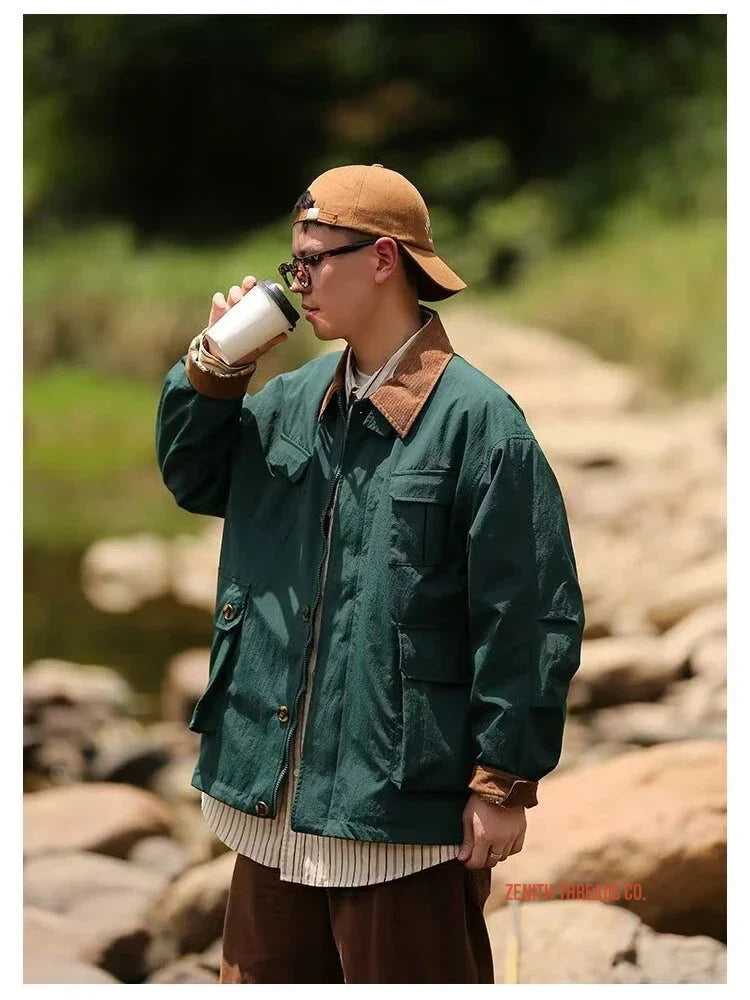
{"type": "Point", "coordinates": [306, 200]}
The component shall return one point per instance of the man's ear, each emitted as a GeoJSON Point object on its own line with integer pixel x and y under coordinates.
{"type": "Point", "coordinates": [386, 249]}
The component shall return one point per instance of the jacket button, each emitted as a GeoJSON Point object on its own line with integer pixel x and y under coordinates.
{"type": "Point", "coordinates": [283, 713]}
{"type": "Point", "coordinates": [228, 612]}
{"type": "Point", "coordinates": [306, 612]}
{"type": "Point", "coordinates": [261, 809]}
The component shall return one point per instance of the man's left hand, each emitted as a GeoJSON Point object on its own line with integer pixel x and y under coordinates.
{"type": "Point", "coordinates": [490, 829]}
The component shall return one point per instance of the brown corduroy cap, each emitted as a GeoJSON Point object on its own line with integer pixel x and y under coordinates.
{"type": "Point", "coordinates": [382, 202]}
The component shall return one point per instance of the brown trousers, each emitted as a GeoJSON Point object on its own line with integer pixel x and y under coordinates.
{"type": "Point", "coordinates": [427, 927]}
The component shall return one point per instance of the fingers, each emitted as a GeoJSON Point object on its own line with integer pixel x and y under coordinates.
{"type": "Point", "coordinates": [467, 844]}
{"type": "Point", "coordinates": [218, 308]}
{"type": "Point", "coordinates": [220, 305]}
{"type": "Point", "coordinates": [518, 843]}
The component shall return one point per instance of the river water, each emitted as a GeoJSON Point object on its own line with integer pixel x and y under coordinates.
{"type": "Point", "coordinates": [60, 623]}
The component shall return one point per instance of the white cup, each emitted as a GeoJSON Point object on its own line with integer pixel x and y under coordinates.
{"type": "Point", "coordinates": [259, 316]}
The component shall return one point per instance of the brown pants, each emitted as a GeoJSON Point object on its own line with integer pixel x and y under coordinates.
{"type": "Point", "coordinates": [423, 928]}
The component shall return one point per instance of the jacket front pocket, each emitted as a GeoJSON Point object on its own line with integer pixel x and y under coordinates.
{"type": "Point", "coordinates": [421, 503]}
{"type": "Point", "coordinates": [230, 612]}
{"type": "Point", "coordinates": [280, 502]}
{"type": "Point", "coordinates": [432, 741]}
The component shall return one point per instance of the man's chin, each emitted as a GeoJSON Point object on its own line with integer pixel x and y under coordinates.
{"type": "Point", "coordinates": [323, 332]}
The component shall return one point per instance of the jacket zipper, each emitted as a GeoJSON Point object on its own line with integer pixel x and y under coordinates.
{"type": "Point", "coordinates": [328, 511]}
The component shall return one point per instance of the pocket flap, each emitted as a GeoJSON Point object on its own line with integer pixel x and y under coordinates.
{"type": "Point", "coordinates": [288, 457]}
{"type": "Point", "coordinates": [423, 485]}
{"type": "Point", "coordinates": [231, 602]}
{"type": "Point", "coordinates": [434, 654]}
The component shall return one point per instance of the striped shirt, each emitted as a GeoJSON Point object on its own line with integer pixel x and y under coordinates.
{"type": "Point", "coordinates": [303, 857]}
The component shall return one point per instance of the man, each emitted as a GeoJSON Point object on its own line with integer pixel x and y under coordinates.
{"type": "Point", "coordinates": [398, 614]}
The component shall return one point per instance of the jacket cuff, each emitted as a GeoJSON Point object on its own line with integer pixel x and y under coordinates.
{"type": "Point", "coordinates": [502, 788]}
{"type": "Point", "coordinates": [211, 383]}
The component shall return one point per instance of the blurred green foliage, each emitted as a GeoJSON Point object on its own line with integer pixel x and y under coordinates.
{"type": "Point", "coordinates": [207, 126]}
{"type": "Point", "coordinates": [574, 166]}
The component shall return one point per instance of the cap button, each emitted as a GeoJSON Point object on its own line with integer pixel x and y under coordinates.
{"type": "Point", "coordinates": [377, 164]}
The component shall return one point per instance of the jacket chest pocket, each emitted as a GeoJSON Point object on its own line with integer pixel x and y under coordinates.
{"type": "Point", "coordinates": [432, 739]}
{"type": "Point", "coordinates": [231, 608]}
{"type": "Point", "coordinates": [421, 503]}
{"type": "Point", "coordinates": [279, 505]}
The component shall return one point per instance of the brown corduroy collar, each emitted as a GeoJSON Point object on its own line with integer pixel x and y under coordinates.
{"type": "Point", "coordinates": [401, 398]}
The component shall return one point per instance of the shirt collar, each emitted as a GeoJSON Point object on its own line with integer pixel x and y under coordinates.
{"type": "Point", "coordinates": [401, 395]}
{"type": "Point", "coordinates": [384, 372]}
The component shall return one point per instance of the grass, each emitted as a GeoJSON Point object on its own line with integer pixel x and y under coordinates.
{"type": "Point", "coordinates": [650, 294]}
{"type": "Point", "coordinates": [647, 292]}
{"type": "Point", "coordinates": [90, 460]}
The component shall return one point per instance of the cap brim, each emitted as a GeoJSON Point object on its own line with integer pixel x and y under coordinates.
{"type": "Point", "coordinates": [436, 280]}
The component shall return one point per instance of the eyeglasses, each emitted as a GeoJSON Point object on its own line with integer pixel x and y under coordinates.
{"type": "Point", "coordinates": [299, 266]}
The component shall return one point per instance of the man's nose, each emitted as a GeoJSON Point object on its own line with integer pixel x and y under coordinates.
{"type": "Point", "coordinates": [296, 287]}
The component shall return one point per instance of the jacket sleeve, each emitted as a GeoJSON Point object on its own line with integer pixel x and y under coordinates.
{"type": "Point", "coordinates": [526, 622]}
{"type": "Point", "coordinates": [197, 426]}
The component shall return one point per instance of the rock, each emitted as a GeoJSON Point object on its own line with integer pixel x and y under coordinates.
{"type": "Point", "coordinates": [102, 691]}
{"type": "Point", "coordinates": [137, 764]}
{"type": "Point", "coordinates": [194, 561]}
{"type": "Point", "coordinates": [644, 723]}
{"type": "Point", "coordinates": [211, 957]}
{"type": "Point", "coordinates": [700, 705]}
{"type": "Point", "coordinates": [161, 854]}
{"type": "Point", "coordinates": [61, 880]}
{"type": "Point", "coordinates": [586, 941]}
{"type": "Point", "coordinates": [67, 708]}
{"type": "Point", "coordinates": [675, 958]}
{"type": "Point", "coordinates": [619, 669]}
{"type": "Point", "coordinates": [185, 970]}
{"type": "Point", "coordinates": [57, 934]}
{"type": "Point", "coordinates": [683, 639]}
{"type": "Point", "coordinates": [544, 372]}
{"type": "Point", "coordinates": [174, 736]}
{"type": "Point", "coordinates": [123, 931]}
{"type": "Point", "coordinates": [60, 760]}
{"type": "Point", "coordinates": [191, 909]}
{"type": "Point", "coordinates": [709, 661]}
{"type": "Point", "coordinates": [649, 723]}
{"type": "Point", "coordinates": [120, 574]}
{"type": "Point", "coordinates": [591, 441]}
{"type": "Point", "coordinates": [43, 967]}
{"type": "Point", "coordinates": [577, 738]}
{"type": "Point", "coordinates": [705, 583]}
{"type": "Point", "coordinates": [173, 781]}
{"type": "Point", "coordinates": [103, 817]}
{"type": "Point", "coordinates": [185, 680]}
{"type": "Point", "coordinates": [655, 816]}
{"type": "Point", "coordinates": [192, 831]}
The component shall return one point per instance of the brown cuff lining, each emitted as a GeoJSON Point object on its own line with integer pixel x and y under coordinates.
{"type": "Point", "coordinates": [502, 788]}
{"type": "Point", "coordinates": [231, 387]}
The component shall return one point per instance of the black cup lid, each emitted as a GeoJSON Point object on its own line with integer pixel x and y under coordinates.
{"type": "Point", "coordinates": [273, 289]}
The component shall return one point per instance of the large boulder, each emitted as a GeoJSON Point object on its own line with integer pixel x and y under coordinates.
{"type": "Point", "coordinates": [185, 679]}
{"type": "Point", "coordinates": [191, 909]}
{"type": "Point", "coordinates": [654, 816]}
{"type": "Point", "coordinates": [103, 817]}
{"type": "Point", "coordinates": [69, 709]}
{"type": "Point", "coordinates": [63, 879]}
{"type": "Point", "coordinates": [120, 574]}
{"type": "Point", "coordinates": [581, 941]}
{"type": "Point", "coordinates": [619, 669]}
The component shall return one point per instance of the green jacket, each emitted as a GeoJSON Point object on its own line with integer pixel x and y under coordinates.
{"type": "Point", "coordinates": [452, 615]}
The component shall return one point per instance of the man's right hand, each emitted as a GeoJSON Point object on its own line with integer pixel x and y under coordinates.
{"type": "Point", "coordinates": [220, 305]}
